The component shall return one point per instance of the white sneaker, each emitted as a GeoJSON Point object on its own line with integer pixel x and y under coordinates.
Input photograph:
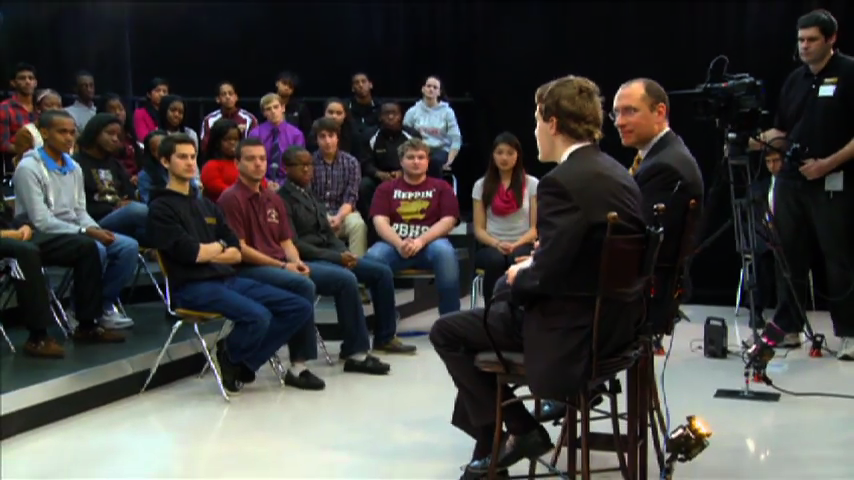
{"type": "Point", "coordinates": [846, 351]}
{"type": "Point", "coordinates": [113, 320]}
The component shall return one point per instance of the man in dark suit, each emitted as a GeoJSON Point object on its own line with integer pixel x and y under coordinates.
{"type": "Point", "coordinates": [666, 172]}
{"type": "Point", "coordinates": [556, 286]}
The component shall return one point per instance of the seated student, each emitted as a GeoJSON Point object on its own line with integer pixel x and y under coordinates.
{"type": "Point", "coordinates": [110, 195]}
{"type": "Point", "coordinates": [49, 194]}
{"type": "Point", "coordinates": [412, 215]}
{"type": "Point", "coordinates": [198, 250]}
{"type": "Point", "coordinates": [226, 98]}
{"type": "Point", "coordinates": [335, 270]}
{"type": "Point", "coordinates": [31, 251]}
{"type": "Point", "coordinates": [505, 211]}
{"type": "Point", "coordinates": [153, 176]}
{"type": "Point", "coordinates": [381, 162]}
{"type": "Point", "coordinates": [336, 183]}
{"type": "Point", "coordinates": [258, 218]}
{"type": "Point", "coordinates": [129, 153]}
{"type": "Point", "coordinates": [172, 119]}
{"type": "Point", "coordinates": [220, 169]}
{"type": "Point", "coordinates": [277, 135]}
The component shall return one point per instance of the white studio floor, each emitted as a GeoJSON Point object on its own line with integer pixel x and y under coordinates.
{"type": "Point", "coordinates": [397, 427]}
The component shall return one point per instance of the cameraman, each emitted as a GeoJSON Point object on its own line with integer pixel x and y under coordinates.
{"type": "Point", "coordinates": [815, 190]}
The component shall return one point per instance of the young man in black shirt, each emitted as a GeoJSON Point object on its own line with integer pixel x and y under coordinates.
{"type": "Point", "coordinates": [198, 251]}
{"type": "Point", "coordinates": [814, 192]}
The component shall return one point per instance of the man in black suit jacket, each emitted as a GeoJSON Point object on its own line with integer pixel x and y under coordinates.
{"type": "Point", "coordinates": [666, 172]}
{"type": "Point", "coordinates": [557, 286]}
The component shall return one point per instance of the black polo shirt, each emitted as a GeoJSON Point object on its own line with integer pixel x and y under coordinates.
{"type": "Point", "coordinates": [817, 110]}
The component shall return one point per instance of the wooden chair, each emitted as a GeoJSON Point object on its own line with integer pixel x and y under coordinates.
{"type": "Point", "coordinates": [626, 266]}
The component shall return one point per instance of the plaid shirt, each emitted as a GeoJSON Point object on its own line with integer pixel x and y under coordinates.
{"type": "Point", "coordinates": [13, 116]}
{"type": "Point", "coordinates": [337, 183]}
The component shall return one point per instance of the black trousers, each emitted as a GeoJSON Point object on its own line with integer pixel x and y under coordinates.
{"type": "Point", "coordinates": [458, 337]}
{"type": "Point", "coordinates": [495, 264]}
{"type": "Point", "coordinates": [63, 250]}
{"type": "Point", "coordinates": [809, 219]}
{"type": "Point", "coordinates": [763, 289]}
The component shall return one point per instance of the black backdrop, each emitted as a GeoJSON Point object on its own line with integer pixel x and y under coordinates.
{"type": "Point", "coordinates": [495, 54]}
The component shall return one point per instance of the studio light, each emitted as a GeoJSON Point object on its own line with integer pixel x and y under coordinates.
{"type": "Point", "coordinates": [687, 441]}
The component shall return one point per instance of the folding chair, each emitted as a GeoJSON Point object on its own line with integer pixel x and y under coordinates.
{"type": "Point", "coordinates": [143, 265]}
{"type": "Point", "coordinates": [5, 284]}
{"type": "Point", "coordinates": [185, 316]}
{"type": "Point", "coordinates": [276, 363]}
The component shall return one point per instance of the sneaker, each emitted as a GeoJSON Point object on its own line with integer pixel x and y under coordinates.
{"type": "Point", "coordinates": [96, 335]}
{"type": "Point", "coordinates": [113, 320]}
{"type": "Point", "coordinates": [228, 372]}
{"type": "Point", "coordinates": [44, 348]}
{"type": "Point", "coordinates": [791, 340]}
{"type": "Point", "coordinates": [846, 351]}
{"type": "Point", "coordinates": [395, 346]}
{"type": "Point", "coordinates": [370, 365]}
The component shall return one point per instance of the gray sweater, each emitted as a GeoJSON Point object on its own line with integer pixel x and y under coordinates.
{"type": "Point", "coordinates": [51, 201]}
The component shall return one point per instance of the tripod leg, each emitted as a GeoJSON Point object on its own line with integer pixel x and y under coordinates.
{"type": "Point", "coordinates": [738, 293]}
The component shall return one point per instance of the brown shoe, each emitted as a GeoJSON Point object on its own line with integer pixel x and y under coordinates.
{"type": "Point", "coordinates": [45, 348]}
{"type": "Point", "coordinates": [395, 346]}
{"type": "Point", "coordinates": [97, 335]}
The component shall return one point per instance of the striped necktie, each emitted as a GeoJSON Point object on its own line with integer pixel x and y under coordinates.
{"type": "Point", "coordinates": [635, 165]}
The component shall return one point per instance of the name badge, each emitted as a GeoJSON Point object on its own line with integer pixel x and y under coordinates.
{"type": "Point", "coordinates": [826, 90]}
{"type": "Point", "coordinates": [833, 182]}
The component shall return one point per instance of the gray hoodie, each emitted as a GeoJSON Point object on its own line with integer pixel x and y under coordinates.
{"type": "Point", "coordinates": [437, 125]}
{"type": "Point", "coordinates": [50, 200]}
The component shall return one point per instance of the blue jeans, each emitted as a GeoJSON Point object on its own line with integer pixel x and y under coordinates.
{"type": "Point", "coordinates": [303, 345]}
{"type": "Point", "coordinates": [119, 263]}
{"type": "Point", "coordinates": [265, 317]}
{"type": "Point", "coordinates": [343, 285]}
{"type": "Point", "coordinates": [128, 220]}
{"type": "Point", "coordinates": [438, 159]}
{"type": "Point", "coordinates": [439, 256]}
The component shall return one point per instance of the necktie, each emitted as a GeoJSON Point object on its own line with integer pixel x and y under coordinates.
{"type": "Point", "coordinates": [275, 152]}
{"type": "Point", "coordinates": [635, 165]}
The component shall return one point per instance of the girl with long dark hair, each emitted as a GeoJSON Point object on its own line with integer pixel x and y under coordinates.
{"type": "Point", "coordinates": [505, 211]}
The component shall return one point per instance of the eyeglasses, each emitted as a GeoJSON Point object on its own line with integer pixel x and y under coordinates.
{"type": "Point", "coordinates": [627, 112]}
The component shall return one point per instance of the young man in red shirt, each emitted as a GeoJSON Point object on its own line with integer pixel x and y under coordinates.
{"type": "Point", "coordinates": [413, 215]}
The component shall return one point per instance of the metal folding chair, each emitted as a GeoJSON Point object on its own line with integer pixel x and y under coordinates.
{"type": "Point", "coordinates": [143, 265]}
{"type": "Point", "coordinates": [185, 316]}
{"type": "Point", "coordinates": [5, 287]}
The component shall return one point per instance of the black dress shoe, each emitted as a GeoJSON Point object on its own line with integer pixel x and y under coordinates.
{"type": "Point", "coordinates": [554, 411]}
{"type": "Point", "coordinates": [304, 381]}
{"type": "Point", "coordinates": [370, 365]}
{"type": "Point", "coordinates": [244, 374]}
{"type": "Point", "coordinates": [478, 470]}
{"type": "Point", "coordinates": [532, 445]}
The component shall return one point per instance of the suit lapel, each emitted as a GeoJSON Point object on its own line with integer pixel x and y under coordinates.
{"type": "Point", "coordinates": [666, 141]}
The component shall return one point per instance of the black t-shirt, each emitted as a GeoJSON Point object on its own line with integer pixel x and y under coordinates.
{"type": "Point", "coordinates": [816, 111]}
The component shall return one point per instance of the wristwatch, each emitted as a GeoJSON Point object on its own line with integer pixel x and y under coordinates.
{"type": "Point", "coordinates": [83, 230]}
{"type": "Point", "coordinates": [223, 244]}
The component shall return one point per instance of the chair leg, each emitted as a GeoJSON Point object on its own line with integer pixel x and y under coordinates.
{"type": "Point", "coordinates": [738, 293]}
{"type": "Point", "coordinates": [634, 431]}
{"type": "Point", "coordinates": [474, 292]}
{"type": "Point", "coordinates": [159, 359]}
{"type": "Point", "coordinates": [6, 337]}
{"type": "Point", "coordinates": [207, 355]}
{"type": "Point", "coordinates": [221, 334]}
{"type": "Point", "coordinates": [617, 436]}
{"type": "Point", "coordinates": [278, 368]}
{"type": "Point", "coordinates": [144, 265]}
{"type": "Point", "coordinates": [492, 472]}
{"type": "Point", "coordinates": [59, 315]}
{"type": "Point", "coordinates": [323, 346]}
{"type": "Point", "coordinates": [584, 406]}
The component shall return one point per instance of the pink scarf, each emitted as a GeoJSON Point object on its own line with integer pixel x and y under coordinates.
{"type": "Point", "coordinates": [504, 202]}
